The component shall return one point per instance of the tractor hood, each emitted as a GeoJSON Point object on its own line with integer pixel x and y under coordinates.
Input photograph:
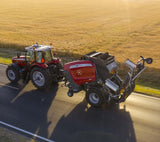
{"type": "Point", "coordinates": [18, 60]}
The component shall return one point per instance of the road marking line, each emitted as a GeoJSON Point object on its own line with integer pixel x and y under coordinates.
{"type": "Point", "coordinates": [1, 84]}
{"type": "Point", "coordinates": [26, 132]}
{"type": "Point", "coordinates": [151, 97]}
{"type": "Point", "coordinates": [3, 65]}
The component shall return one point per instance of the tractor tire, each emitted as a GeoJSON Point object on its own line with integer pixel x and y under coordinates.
{"type": "Point", "coordinates": [40, 78]}
{"type": "Point", "coordinates": [12, 73]}
{"type": "Point", "coordinates": [60, 71]}
{"type": "Point", "coordinates": [94, 97]}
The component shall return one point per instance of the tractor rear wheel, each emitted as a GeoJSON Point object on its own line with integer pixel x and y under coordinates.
{"type": "Point", "coordinates": [12, 73]}
{"type": "Point", "coordinates": [94, 97]}
{"type": "Point", "coordinates": [40, 78]}
{"type": "Point", "coordinates": [60, 71]}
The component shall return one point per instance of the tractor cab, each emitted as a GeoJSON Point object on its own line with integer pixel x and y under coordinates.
{"type": "Point", "coordinates": [39, 54]}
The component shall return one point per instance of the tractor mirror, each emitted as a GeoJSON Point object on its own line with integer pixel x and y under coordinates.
{"type": "Point", "coordinates": [149, 60]}
{"type": "Point", "coordinates": [54, 54]}
{"type": "Point", "coordinates": [18, 54]}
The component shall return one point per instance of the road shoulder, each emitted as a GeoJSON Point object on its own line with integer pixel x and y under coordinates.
{"type": "Point", "coordinates": [7, 135]}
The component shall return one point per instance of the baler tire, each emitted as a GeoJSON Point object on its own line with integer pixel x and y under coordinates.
{"type": "Point", "coordinates": [94, 97]}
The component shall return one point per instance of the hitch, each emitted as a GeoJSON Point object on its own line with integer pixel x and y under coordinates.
{"type": "Point", "coordinates": [70, 93]}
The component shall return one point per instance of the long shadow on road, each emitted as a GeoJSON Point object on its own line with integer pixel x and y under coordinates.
{"type": "Point", "coordinates": [83, 124]}
{"type": "Point", "coordinates": [27, 108]}
{"type": "Point", "coordinates": [41, 113]}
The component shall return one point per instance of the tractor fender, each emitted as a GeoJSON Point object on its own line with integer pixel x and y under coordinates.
{"type": "Point", "coordinates": [14, 65]}
{"type": "Point", "coordinates": [39, 65]}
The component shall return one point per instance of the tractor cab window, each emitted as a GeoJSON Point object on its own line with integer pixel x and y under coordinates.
{"type": "Point", "coordinates": [39, 56]}
{"type": "Point", "coordinates": [48, 56]}
{"type": "Point", "coordinates": [30, 56]}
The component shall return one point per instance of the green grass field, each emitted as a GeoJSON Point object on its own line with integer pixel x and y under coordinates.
{"type": "Point", "coordinates": [125, 28]}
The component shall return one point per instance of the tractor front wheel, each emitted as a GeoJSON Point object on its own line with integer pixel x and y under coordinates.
{"type": "Point", "coordinates": [40, 78]}
{"type": "Point", "coordinates": [12, 73]}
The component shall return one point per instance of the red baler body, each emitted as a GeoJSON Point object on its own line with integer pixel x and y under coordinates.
{"type": "Point", "coordinates": [81, 71]}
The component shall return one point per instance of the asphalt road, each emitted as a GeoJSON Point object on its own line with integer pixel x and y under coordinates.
{"type": "Point", "coordinates": [54, 115]}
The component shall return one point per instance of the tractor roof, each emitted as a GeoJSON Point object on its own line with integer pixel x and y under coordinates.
{"type": "Point", "coordinates": [37, 48]}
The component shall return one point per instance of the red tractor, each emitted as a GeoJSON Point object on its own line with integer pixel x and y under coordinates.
{"type": "Point", "coordinates": [38, 64]}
